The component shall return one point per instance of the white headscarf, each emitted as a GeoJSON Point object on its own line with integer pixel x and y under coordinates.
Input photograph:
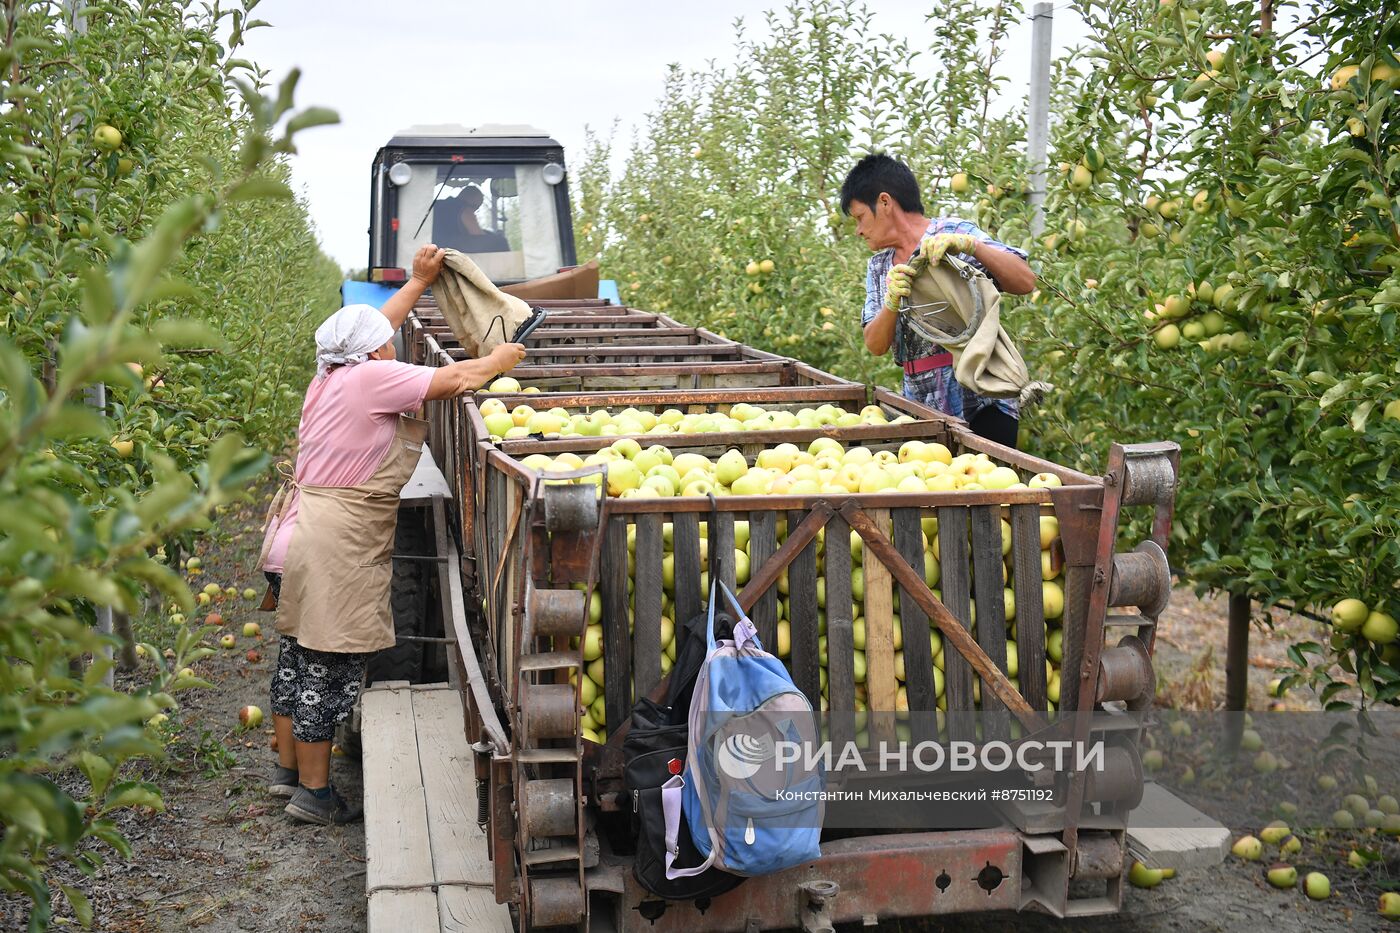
{"type": "Point", "coordinates": [349, 336]}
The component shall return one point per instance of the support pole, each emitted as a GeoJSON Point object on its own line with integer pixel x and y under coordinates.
{"type": "Point", "coordinates": [1237, 668]}
{"type": "Point", "coordinates": [1038, 130]}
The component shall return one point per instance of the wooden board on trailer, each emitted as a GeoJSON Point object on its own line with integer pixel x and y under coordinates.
{"type": "Point", "coordinates": [1165, 831]}
{"type": "Point", "coordinates": [427, 867]}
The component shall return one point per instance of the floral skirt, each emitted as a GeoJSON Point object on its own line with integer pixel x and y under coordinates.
{"type": "Point", "coordinates": [317, 689]}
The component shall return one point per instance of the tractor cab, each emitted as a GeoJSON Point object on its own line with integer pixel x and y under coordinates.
{"type": "Point", "coordinates": [495, 192]}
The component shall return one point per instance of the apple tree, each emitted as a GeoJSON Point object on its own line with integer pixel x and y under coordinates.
{"type": "Point", "coordinates": [148, 243]}
{"type": "Point", "coordinates": [1221, 271]}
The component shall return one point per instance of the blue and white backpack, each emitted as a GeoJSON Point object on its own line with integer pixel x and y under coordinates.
{"type": "Point", "coordinates": [748, 812]}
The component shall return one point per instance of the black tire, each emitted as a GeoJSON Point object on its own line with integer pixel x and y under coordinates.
{"type": "Point", "coordinates": [409, 594]}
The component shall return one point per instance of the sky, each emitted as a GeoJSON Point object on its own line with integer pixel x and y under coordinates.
{"type": "Point", "coordinates": [562, 66]}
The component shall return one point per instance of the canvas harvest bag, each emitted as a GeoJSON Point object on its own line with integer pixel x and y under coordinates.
{"type": "Point", "coordinates": [956, 306]}
{"type": "Point", "coordinates": [482, 317]}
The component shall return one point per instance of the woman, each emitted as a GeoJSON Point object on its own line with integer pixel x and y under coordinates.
{"type": "Point", "coordinates": [328, 551]}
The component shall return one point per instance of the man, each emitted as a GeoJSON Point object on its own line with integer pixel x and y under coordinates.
{"type": "Point", "coordinates": [327, 553]}
{"type": "Point", "coordinates": [883, 197]}
{"type": "Point", "coordinates": [471, 237]}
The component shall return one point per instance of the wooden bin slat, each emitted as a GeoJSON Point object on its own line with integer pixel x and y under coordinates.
{"type": "Point", "coordinates": [880, 684]}
{"type": "Point", "coordinates": [991, 612]}
{"type": "Point", "coordinates": [840, 651]}
{"type": "Point", "coordinates": [721, 537]}
{"type": "Point", "coordinates": [617, 641]}
{"type": "Point", "coordinates": [685, 545]}
{"type": "Point", "coordinates": [1030, 607]}
{"type": "Point", "coordinates": [918, 658]}
{"type": "Point", "coordinates": [802, 606]}
{"type": "Point", "coordinates": [957, 673]}
{"type": "Point", "coordinates": [763, 544]}
{"type": "Point", "coordinates": [646, 592]}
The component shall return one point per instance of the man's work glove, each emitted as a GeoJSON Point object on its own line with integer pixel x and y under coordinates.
{"type": "Point", "coordinates": [898, 285]}
{"type": "Point", "coordinates": [936, 246]}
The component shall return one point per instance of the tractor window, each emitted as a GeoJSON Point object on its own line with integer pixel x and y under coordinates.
{"type": "Point", "coordinates": [503, 216]}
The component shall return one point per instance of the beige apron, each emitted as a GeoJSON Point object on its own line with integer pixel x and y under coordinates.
{"type": "Point", "coordinates": [335, 581]}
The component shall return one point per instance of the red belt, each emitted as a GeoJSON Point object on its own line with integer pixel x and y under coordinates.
{"type": "Point", "coordinates": [924, 364]}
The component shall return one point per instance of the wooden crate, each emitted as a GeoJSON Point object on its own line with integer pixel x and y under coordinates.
{"type": "Point", "coordinates": [800, 553]}
{"type": "Point", "coordinates": [968, 523]}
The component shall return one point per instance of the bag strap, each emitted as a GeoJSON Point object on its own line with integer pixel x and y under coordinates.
{"type": "Point", "coordinates": [745, 632]}
{"type": "Point", "coordinates": [710, 618]}
{"type": "Point", "coordinates": [671, 793]}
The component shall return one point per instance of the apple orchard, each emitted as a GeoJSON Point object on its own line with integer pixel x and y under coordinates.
{"type": "Point", "coordinates": [1218, 267]}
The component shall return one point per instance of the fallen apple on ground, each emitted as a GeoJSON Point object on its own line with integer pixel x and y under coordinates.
{"type": "Point", "coordinates": [1317, 886]}
{"type": "Point", "coordinates": [250, 717]}
{"type": "Point", "coordinates": [1248, 848]}
{"type": "Point", "coordinates": [1283, 876]}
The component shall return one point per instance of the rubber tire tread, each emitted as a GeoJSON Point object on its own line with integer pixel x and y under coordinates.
{"type": "Point", "coordinates": [409, 593]}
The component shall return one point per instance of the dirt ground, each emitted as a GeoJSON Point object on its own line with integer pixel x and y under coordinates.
{"type": "Point", "coordinates": [223, 857]}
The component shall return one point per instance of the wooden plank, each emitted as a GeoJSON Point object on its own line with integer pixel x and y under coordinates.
{"type": "Point", "coordinates": [794, 541]}
{"type": "Point", "coordinates": [763, 544]}
{"type": "Point", "coordinates": [617, 641]}
{"type": "Point", "coordinates": [956, 591]}
{"type": "Point", "coordinates": [721, 536]}
{"type": "Point", "coordinates": [470, 910]}
{"type": "Point", "coordinates": [1165, 831]}
{"type": "Point", "coordinates": [1030, 606]}
{"type": "Point", "coordinates": [646, 591]}
{"type": "Point", "coordinates": [880, 683]}
{"type": "Point", "coordinates": [918, 657]}
{"type": "Point", "coordinates": [685, 545]}
{"type": "Point", "coordinates": [458, 849]}
{"type": "Point", "coordinates": [397, 849]}
{"type": "Point", "coordinates": [802, 627]}
{"type": "Point", "coordinates": [991, 612]}
{"type": "Point", "coordinates": [396, 911]}
{"type": "Point", "coordinates": [947, 623]}
{"type": "Point", "coordinates": [839, 650]}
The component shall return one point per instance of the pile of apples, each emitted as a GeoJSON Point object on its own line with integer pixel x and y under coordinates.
{"type": "Point", "coordinates": [523, 420]}
{"type": "Point", "coordinates": [786, 469]}
{"type": "Point", "coordinates": [826, 467]}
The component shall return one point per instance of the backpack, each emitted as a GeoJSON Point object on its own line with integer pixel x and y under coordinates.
{"type": "Point", "coordinates": [747, 813]}
{"type": "Point", "coordinates": [655, 750]}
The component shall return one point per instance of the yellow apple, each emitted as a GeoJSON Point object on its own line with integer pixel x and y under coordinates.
{"type": "Point", "coordinates": [504, 384]}
{"type": "Point", "coordinates": [1000, 478]}
{"type": "Point", "coordinates": [1349, 615]}
{"type": "Point", "coordinates": [498, 423]}
{"type": "Point", "coordinates": [873, 479]}
{"type": "Point", "coordinates": [1054, 599]}
{"type": "Point", "coordinates": [623, 475]}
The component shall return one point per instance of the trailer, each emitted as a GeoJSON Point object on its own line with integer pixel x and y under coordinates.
{"type": "Point", "coordinates": [535, 551]}
{"type": "Point", "coordinates": [944, 614]}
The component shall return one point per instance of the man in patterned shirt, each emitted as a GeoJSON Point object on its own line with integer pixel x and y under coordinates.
{"type": "Point", "coordinates": [883, 197]}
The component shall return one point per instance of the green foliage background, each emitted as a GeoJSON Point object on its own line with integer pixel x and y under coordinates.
{"type": "Point", "coordinates": [181, 252]}
{"type": "Point", "coordinates": [1288, 462]}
